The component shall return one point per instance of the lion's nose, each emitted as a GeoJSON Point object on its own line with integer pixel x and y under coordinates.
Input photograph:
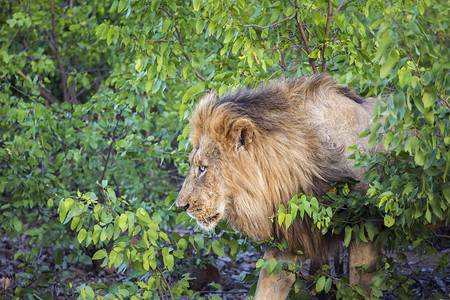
{"type": "Point", "coordinates": [184, 208]}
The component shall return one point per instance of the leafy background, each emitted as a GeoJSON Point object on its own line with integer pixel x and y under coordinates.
{"type": "Point", "coordinates": [95, 100]}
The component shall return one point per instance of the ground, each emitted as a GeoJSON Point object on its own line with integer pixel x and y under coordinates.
{"type": "Point", "coordinates": [426, 278]}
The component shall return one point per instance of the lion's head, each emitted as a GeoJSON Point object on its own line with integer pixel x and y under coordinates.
{"type": "Point", "coordinates": [219, 139]}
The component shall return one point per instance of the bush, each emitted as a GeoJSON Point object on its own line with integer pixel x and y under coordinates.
{"type": "Point", "coordinates": [95, 99]}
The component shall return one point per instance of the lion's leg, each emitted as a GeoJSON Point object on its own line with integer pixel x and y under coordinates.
{"type": "Point", "coordinates": [274, 286]}
{"type": "Point", "coordinates": [360, 255]}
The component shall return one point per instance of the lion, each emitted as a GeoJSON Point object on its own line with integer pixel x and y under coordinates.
{"type": "Point", "coordinates": [254, 149]}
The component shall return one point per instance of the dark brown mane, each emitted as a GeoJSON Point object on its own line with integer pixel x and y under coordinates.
{"type": "Point", "coordinates": [264, 105]}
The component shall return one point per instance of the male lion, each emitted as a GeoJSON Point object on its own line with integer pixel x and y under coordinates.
{"type": "Point", "coordinates": [255, 149]}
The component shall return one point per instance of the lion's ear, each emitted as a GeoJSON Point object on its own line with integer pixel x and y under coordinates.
{"type": "Point", "coordinates": [240, 135]}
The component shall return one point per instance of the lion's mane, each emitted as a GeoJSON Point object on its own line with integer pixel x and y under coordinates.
{"type": "Point", "coordinates": [294, 132]}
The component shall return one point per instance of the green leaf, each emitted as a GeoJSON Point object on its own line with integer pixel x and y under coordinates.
{"type": "Point", "coordinates": [348, 235]}
{"type": "Point", "coordinates": [288, 220]}
{"type": "Point", "coordinates": [75, 222]}
{"type": "Point", "coordinates": [228, 36]}
{"type": "Point", "coordinates": [89, 292]}
{"type": "Point", "coordinates": [290, 11]}
{"type": "Point", "coordinates": [237, 45]}
{"type": "Point", "coordinates": [320, 284]}
{"type": "Point", "coordinates": [109, 35]}
{"type": "Point", "coordinates": [123, 222]}
{"type": "Point", "coordinates": [182, 244]}
{"type": "Point", "coordinates": [167, 258]}
{"type": "Point", "coordinates": [260, 263]}
{"type": "Point", "coordinates": [436, 205]}
{"type": "Point", "coordinates": [196, 4]}
{"type": "Point", "coordinates": [138, 66]}
{"type": "Point", "coordinates": [388, 221]}
{"type": "Point", "coordinates": [386, 41]}
{"type": "Point", "coordinates": [122, 5]}
{"type": "Point", "coordinates": [198, 238]}
{"type": "Point", "coordinates": [371, 230]}
{"type": "Point", "coordinates": [199, 26]}
{"type": "Point", "coordinates": [218, 248]}
{"type": "Point", "coordinates": [429, 115]}
{"type": "Point", "coordinates": [429, 97]}
{"type": "Point", "coordinates": [361, 234]}
{"type": "Point", "coordinates": [271, 265]}
{"type": "Point", "coordinates": [428, 215]}
{"type": "Point", "coordinates": [100, 254]}
{"type": "Point", "coordinates": [58, 257]}
{"type": "Point", "coordinates": [64, 207]}
{"type": "Point", "coordinates": [18, 226]}
{"type": "Point", "coordinates": [82, 235]}
{"type": "Point", "coordinates": [143, 215]}
{"type": "Point", "coordinates": [387, 66]}
{"type": "Point", "coordinates": [193, 91]}
{"type": "Point", "coordinates": [103, 234]}
{"type": "Point", "coordinates": [421, 7]}
{"type": "Point", "coordinates": [234, 247]}
{"type": "Point", "coordinates": [328, 285]}
{"type": "Point", "coordinates": [166, 24]}
{"type": "Point", "coordinates": [280, 218]}
{"type": "Point", "coordinates": [446, 192]}
{"type": "Point", "coordinates": [18, 254]}
{"type": "Point", "coordinates": [96, 233]}
{"type": "Point", "coordinates": [112, 257]}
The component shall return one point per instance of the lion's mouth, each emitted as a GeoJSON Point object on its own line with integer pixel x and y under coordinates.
{"type": "Point", "coordinates": [208, 223]}
{"type": "Point", "coordinates": [213, 218]}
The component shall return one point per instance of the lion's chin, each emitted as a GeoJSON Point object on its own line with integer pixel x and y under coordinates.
{"type": "Point", "coordinates": [209, 223]}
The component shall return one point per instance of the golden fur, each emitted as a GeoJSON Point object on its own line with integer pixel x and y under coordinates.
{"type": "Point", "coordinates": [254, 149]}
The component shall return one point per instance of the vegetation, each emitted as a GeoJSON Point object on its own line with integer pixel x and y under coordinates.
{"type": "Point", "coordinates": [95, 99]}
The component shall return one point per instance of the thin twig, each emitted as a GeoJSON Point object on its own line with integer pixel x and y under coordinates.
{"type": "Point", "coordinates": [44, 93]}
{"type": "Point", "coordinates": [268, 26]}
{"type": "Point", "coordinates": [296, 45]}
{"type": "Point", "coordinates": [342, 5]}
{"type": "Point", "coordinates": [112, 144]}
{"type": "Point", "coordinates": [224, 292]}
{"type": "Point", "coordinates": [441, 236]}
{"type": "Point", "coordinates": [178, 37]}
{"type": "Point", "coordinates": [165, 281]}
{"type": "Point", "coordinates": [339, 6]}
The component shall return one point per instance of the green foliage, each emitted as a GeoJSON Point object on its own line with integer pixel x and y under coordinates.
{"type": "Point", "coordinates": [94, 102]}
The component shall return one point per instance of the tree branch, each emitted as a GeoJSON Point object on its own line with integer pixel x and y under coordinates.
{"type": "Point", "coordinates": [305, 40]}
{"type": "Point", "coordinates": [330, 14]}
{"type": "Point", "coordinates": [44, 93]}
{"type": "Point", "coordinates": [327, 33]}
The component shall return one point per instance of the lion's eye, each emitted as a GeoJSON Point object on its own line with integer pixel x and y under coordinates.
{"type": "Point", "coordinates": [202, 169]}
